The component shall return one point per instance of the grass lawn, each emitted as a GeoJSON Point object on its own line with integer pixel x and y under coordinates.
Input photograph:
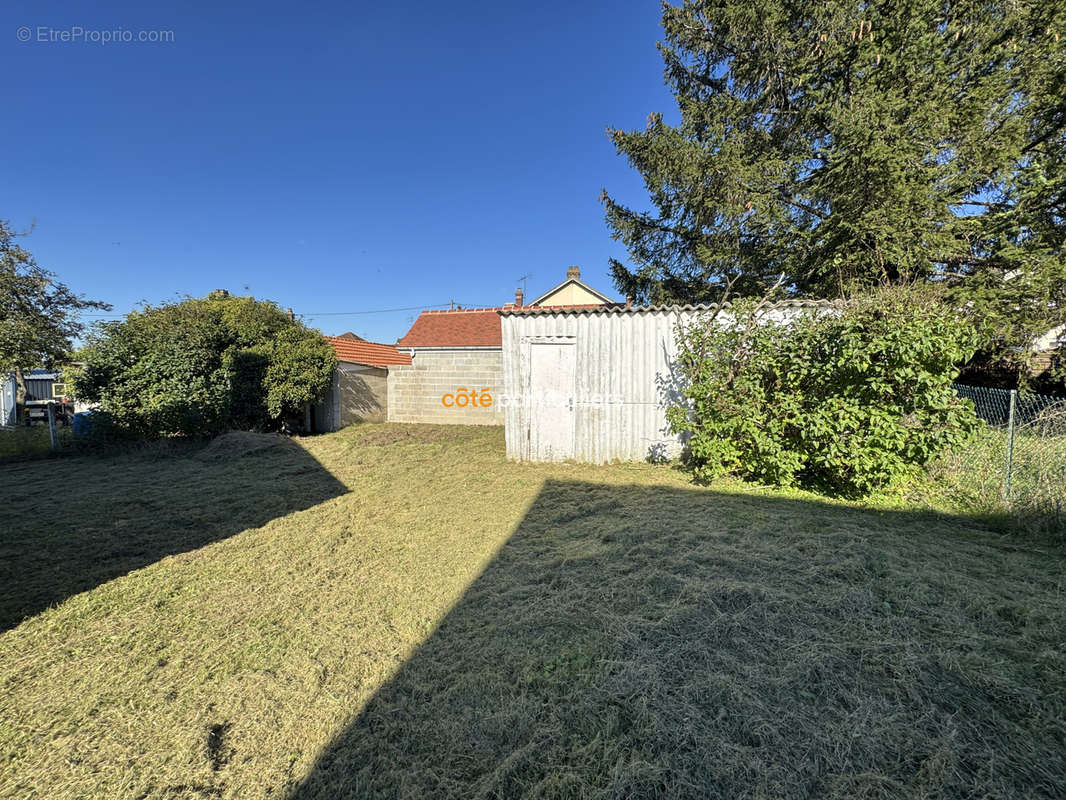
{"type": "Point", "coordinates": [396, 611]}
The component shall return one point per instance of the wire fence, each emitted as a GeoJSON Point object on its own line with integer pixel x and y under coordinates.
{"type": "Point", "coordinates": [1018, 459]}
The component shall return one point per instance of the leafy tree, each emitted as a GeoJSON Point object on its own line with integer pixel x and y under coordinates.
{"type": "Point", "coordinates": [38, 314]}
{"type": "Point", "coordinates": [847, 145]}
{"type": "Point", "coordinates": [844, 399]}
{"type": "Point", "coordinates": [204, 365]}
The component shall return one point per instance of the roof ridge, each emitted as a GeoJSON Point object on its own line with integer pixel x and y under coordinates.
{"type": "Point", "coordinates": [357, 342]}
{"type": "Point", "coordinates": [621, 308]}
{"type": "Point", "coordinates": [459, 310]}
{"type": "Point", "coordinates": [579, 282]}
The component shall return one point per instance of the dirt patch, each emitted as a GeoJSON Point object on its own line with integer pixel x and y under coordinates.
{"type": "Point", "coordinates": [239, 443]}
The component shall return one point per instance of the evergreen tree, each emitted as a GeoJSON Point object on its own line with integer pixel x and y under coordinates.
{"type": "Point", "coordinates": [849, 144]}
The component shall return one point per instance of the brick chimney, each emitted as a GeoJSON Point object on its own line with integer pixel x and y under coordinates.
{"type": "Point", "coordinates": [519, 298]}
{"type": "Point", "coordinates": [573, 272]}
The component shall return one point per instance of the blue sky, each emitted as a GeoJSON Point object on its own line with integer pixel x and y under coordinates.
{"type": "Point", "coordinates": [332, 157]}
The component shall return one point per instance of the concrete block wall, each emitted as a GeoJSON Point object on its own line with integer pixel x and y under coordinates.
{"type": "Point", "coordinates": [359, 393]}
{"type": "Point", "coordinates": [416, 391]}
{"type": "Point", "coordinates": [362, 393]}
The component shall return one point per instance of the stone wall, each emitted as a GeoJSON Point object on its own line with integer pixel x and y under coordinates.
{"type": "Point", "coordinates": [428, 390]}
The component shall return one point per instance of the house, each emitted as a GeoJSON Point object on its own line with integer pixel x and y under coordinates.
{"type": "Point", "coordinates": [456, 369]}
{"type": "Point", "coordinates": [42, 386]}
{"type": "Point", "coordinates": [571, 292]}
{"type": "Point", "coordinates": [359, 392]}
{"type": "Point", "coordinates": [1045, 349]}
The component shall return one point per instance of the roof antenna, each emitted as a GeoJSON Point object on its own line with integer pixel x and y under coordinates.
{"type": "Point", "coordinates": [523, 279]}
{"type": "Point", "coordinates": [451, 305]}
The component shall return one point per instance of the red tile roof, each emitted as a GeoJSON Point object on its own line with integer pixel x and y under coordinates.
{"type": "Point", "coordinates": [363, 352]}
{"type": "Point", "coordinates": [468, 327]}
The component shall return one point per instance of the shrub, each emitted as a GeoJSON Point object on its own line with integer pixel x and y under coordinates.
{"type": "Point", "coordinates": [844, 400]}
{"type": "Point", "coordinates": [203, 365]}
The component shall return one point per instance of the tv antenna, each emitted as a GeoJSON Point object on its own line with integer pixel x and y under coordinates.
{"type": "Point", "coordinates": [523, 279]}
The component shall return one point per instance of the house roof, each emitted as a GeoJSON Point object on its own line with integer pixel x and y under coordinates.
{"type": "Point", "coordinates": [622, 308]}
{"type": "Point", "coordinates": [576, 282]}
{"type": "Point", "coordinates": [467, 327]}
{"type": "Point", "coordinates": [358, 351]}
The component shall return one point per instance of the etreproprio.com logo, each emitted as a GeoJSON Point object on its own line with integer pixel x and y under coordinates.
{"type": "Point", "coordinates": [78, 34]}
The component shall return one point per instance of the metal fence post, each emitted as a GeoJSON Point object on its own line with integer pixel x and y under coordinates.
{"type": "Point", "coordinates": [1010, 444]}
{"type": "Point", "coordinates": [52, 436]}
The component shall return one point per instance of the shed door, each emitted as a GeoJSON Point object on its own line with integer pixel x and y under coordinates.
{"type": "Point", "coordinates": [552, 373]}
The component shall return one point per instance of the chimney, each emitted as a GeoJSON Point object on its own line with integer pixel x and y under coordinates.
{"type": "Point", "coordinates": [573, 272]}
{"type": "Point", "coordinates": [629, 300]}
{"type": "Point", "coordinates": [519, 298]}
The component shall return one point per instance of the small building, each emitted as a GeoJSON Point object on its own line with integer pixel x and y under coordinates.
{"type": "Point", "coordinates": [43, 386]}
{"type": "Point", "coordinates": [359, 392]}
{"type": "Point", "coordinates": [456, 371]}
{"type": "Point", "coordinates": [591, 383]}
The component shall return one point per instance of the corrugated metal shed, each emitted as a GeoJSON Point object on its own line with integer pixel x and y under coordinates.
{"type": "Point", "coordinates": [623, 380]}
{"type": "Point", "coordinates": [616, 363]}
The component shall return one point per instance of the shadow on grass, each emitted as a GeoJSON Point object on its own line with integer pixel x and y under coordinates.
{"type": "Point", "coordinates": [634, 641]}
{"type": "Point", "coordinates": [69, 525]}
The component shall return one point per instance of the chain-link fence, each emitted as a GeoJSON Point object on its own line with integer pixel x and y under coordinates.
{"type": "Point", "coordinates": [1018, 460]}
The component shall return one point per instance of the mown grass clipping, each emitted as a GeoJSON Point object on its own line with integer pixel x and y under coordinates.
{"type": "Point", "coordinates": [396, 611]}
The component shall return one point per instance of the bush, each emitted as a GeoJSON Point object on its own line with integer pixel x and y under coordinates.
{"type": "Point", "coordinates": [201, 366]}
{"type": "Point", "coordinates": [843, 400]}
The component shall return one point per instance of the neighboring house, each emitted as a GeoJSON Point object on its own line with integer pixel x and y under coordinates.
{"type": "Point", "coordinates": [456, 371]}
{"type": "Point", "coordinates": [572, 292]}
{"type": "Point", "coordinates": [454, 355]}
{"type": "Point", "coordinates": [1046, 347]}
{"type": "Point", "coordinates": [359, 392]}
{"type": "Point", "coordinates": [42, 385]}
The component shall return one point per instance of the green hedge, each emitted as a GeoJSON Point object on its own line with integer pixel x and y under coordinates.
{"type": "Point", "coordinates": [843, 399]}
{"type": "Point", "coordinates": [203, 365]}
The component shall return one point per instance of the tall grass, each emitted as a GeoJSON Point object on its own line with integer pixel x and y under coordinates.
{"type": "Point", "coordinates": [25, 442]}
{"type": "Point", "coordinates": [972, 479]}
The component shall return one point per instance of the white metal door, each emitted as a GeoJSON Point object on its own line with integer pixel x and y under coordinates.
{"type": "Point", "coordinates": [552, 374]}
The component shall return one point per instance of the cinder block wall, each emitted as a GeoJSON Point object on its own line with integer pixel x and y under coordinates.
{"type": "Point", "coordinates": [362, 394]}
{"type": "Point", "coordinates": [359, 394]}
{"type": "Point", "coordinates": [415, 391]}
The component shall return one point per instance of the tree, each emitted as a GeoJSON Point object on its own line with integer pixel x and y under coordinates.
{"type": "Point", "coordinates": [204, 365]}
{"type": "Point", "coordinates": [38, 314]}
{"type": "Point", "coordinates": [850, 144]}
